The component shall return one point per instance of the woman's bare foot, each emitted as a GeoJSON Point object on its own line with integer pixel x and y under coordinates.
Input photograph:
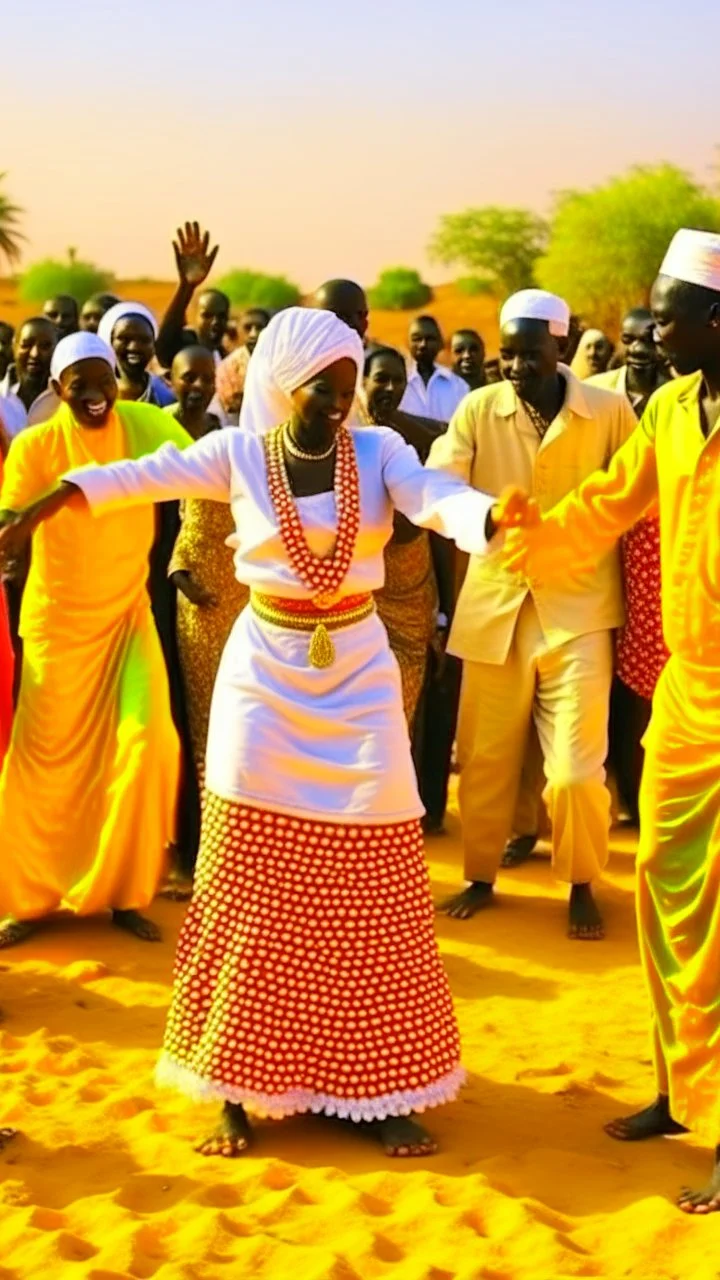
{"type": "Point", "coordinates": [233, 1136]}
{"type": "Point", "coordinates": [585, 922]}
{"type": "Point", "coordinates": [518, 850]}
{"type": "Point", "coordinates": [138, 925]}
{"type": "Point", "coordinates": [707, 1201]}
{"type": "Point", "coordinates": [402, 1136]}
{"type": "Point", "coordinates": [462, 906]}
{"type": "Point", "coordinates": [654, 1121]}
{"type": "Point", "coordinates": [13, 932]}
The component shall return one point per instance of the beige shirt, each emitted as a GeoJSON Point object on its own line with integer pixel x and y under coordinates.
{"type": "Point", "coordinates": [490, 443]}
{"type": "Point", "coordinates": [613, 380]}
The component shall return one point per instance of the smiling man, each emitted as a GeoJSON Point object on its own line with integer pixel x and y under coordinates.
{"type": "Point", "coordinates": [87, 793]}
{"type": "Point", "coordinates": [29, 399]}
{"type": "Point", "coordinates": [529, 649]}
{"type": "Point", "coordinates": [673, 458]}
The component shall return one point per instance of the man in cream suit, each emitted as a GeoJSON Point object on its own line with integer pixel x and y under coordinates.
{"type": "Point", "coordinates": [529, 649]}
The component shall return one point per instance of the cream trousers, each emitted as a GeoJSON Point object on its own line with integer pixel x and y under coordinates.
{"type": "Point", "coordinates": [566, 691]}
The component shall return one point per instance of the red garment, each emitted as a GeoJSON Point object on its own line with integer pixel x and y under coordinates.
{"type": "Point", "coordinates": [641, 651]}
{"type": "Point", "coordinates": [308, 976]}
{"type": "Point", "coordinates": [7, 666]}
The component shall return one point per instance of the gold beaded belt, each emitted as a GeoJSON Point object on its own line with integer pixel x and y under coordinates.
{"type": "Point", "coordinates": [304, 615]}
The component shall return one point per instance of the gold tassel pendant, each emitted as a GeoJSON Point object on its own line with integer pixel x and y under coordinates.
{"type": "Point", "coordinates": [322, 650]}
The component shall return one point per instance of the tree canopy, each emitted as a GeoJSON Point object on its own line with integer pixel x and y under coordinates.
{"type": "Point", "coordinates": [10, 235]}
{"type": "Point", "coordinates": [399, 289]}
{"type": "Point", "coordinates": [254, 289]}
{"type": "Point", "coordinates": [607, 244]}
{"type": "Point", "coordinates": [46, 279]}
{"type": "Point", "coordinates": [501, 244]}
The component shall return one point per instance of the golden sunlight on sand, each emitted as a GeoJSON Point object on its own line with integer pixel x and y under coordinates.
{"type": "Point", "coordinates": [103, 1184]}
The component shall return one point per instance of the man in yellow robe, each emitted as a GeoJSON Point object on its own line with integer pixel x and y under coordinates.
{"type": "Point", "coordinates": [672, 457]}
{"type": "Point", "coordinates": [88, 788]}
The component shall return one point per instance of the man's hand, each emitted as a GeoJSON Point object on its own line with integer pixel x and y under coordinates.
{"type": "Point", "coordinates": [194, 262]}
{"type": "Point", "coordinates": [15, 530]}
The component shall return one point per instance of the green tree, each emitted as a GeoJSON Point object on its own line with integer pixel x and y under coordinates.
{"type": "Point", "coordinates": [607, 244]}
{"type": "Point", "coordinates": [47, 278]}
{"type": "Point", "coordinates": [502, 244]}
{"type": "Point", "coordinates": [399, 289]}
{"type": "Point", "coordinates": [254, 289]}
{"type": "Point", "coordinates": [10, 235]}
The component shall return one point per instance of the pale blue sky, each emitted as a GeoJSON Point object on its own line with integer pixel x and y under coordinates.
{"type": "Point", "coordinates": [322, 137]}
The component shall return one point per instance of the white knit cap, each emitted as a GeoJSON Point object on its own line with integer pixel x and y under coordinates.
{"type": "Point", "coordinates": [694, 256]}
{"type": "Point", "coordinates": [79, 346]}
{"type": "Point", "coordinates": [122, 311]}
{"type": "Point", "coordinates": [297, 344]}
{"type": "Point", "coordinates": [536, 304]}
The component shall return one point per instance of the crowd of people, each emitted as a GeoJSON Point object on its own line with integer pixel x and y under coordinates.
{"type": "Point", "coordinates": [262, 578]}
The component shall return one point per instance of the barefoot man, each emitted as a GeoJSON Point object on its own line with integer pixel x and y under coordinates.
{"type": "Point", "coordinates": [673, 458]}
{"type": "Point", "coordinates": [87, 792]}
{"type": "Point", "coordinates": [531, 649]}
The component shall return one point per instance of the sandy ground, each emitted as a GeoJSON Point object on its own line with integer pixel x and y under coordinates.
{"type": "Point", "coordinates": [452, 309]}
{"type": "Point", "coordinates": [103, 1182]}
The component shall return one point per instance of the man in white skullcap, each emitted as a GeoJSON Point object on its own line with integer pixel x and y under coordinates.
{"type": "Point", "coordinates": [88, 786]}
{"type": "Point", "coordinates": [674, 459]}
{"type": "Point", "coordinates": [531, 650]}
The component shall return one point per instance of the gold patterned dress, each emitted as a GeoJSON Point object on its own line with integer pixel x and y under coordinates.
{"type": "Point", "coordinates": [202, 630]}
{"type": "Point", "coordinates": [407, 605]}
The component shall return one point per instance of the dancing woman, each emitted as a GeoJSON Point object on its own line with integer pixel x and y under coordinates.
{"type": "Point", "coordinates": [308, 977]}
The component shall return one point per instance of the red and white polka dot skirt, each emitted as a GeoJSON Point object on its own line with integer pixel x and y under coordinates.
{"type": "Point", "coordinates": [308, 976]}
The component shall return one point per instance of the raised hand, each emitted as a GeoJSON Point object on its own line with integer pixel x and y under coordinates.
{"type": "Point", "coordinates": [193, 255]}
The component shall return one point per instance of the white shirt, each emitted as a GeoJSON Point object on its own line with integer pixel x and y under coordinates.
{"type": "Point", "coordinates": [439, 399]}
{"type": "Point", "coordinates": [15, 417]}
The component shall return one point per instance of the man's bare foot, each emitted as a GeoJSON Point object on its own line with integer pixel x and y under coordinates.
{"type": "Point", "coordinates": [707, 1201]}
{"type": "Point", "coordinates": [138, 925]}
{"type": "Point", "coordinates": [176, 891]}
{"type": "Point", "coordinates": [585, 921]}
{"type": "Point", "coordinates": [233, 1136]}
{"type": "Point", "coordinates": [518, 850]}
{"type": "Point", "coordinates": [433, 826]}
{"type": "Point", "coordinates": [14, 931]}
{"type": "Point", "coordinates": [654, 1121]}
{"type": "Point", "coordinates": [402, 1136]}
{"type": "Point", "coordinates": [473, 899]}
{"type": "Point", "coordinates": [7, 1135]}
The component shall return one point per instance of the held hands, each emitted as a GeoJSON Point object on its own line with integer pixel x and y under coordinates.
{"type": "Point", "coordinates": [194, 262]}
{"type": "Point", "coordinates": [515, 509]}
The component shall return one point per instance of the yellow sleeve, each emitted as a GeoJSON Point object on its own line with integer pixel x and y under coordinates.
{"type": "Point", "coordinates": [26, 477]}
{"type": "Point", "coordinates": [588, 521]}
{"type": "Point", "coordinates": [455, 450]}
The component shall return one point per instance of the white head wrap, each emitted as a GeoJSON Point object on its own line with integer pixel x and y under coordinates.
{"type": "Point", "coordinates": [79, 346]}
{"type": "Point", "coordinates": [121, 311]}
{"type": "Point", "coordinates": [694, 256]}
{"type": "Point", "coordinates": [297, 344]}
{"type": "Point", "coordinates": [536, 304]}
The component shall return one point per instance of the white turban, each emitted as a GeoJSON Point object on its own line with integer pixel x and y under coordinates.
{"type": "Point", "coordinates": [121, 311]}
{"type": "Point", "coordinates": [79, 346]}
{"type": "Point", "coordinates": [694, 256]}
{"type": "Point", "coordinates": [536, 304]}
{"type": "Point", "coordinates": [297, 344]}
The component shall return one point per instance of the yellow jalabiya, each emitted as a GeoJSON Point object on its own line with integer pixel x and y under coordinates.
{"type": "Point", "coordinates": [87, 793]}
{"type": "Point", "coordinates": [678, 895]}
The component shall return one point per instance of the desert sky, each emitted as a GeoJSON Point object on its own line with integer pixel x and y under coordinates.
{"type": "Point", "coordinates": [324, 137]}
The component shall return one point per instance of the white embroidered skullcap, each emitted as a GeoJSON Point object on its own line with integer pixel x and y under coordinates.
{"type": "Point", "coordinates": [536, 304]}
{"type": "Point", "coordinates": [694, 256]}
{"type": "Point", "coordinates": [297, 344]}
{"type": "Point", "coordinates": [79, 346]}
{"type": "Point", "coordinates": [121, 311]}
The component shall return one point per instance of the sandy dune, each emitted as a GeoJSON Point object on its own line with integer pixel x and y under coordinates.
{"type": "Point", "coordinates": [103, 1184]}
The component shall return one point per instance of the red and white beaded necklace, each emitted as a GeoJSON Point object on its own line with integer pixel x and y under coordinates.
{"type": "Point", "coordinates": [322, 576]}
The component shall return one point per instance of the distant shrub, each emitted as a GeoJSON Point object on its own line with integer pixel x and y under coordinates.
{"type": "Point", "coordinates": [254, 289]}
{"type": "Point", "coordinates": [46, 279]}
{"type": "Point", "coordinates": [474, 287]}
{"type": "Point", "coordinates": [399, 289]}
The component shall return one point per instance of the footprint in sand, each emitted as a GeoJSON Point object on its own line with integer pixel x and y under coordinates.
{"type": "Point", "coordinates": [538, 1073]}
{"type": "Point", "coordinates": [47, 1219]}
{"type": "Point", "coordinates": [74, 1248]}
